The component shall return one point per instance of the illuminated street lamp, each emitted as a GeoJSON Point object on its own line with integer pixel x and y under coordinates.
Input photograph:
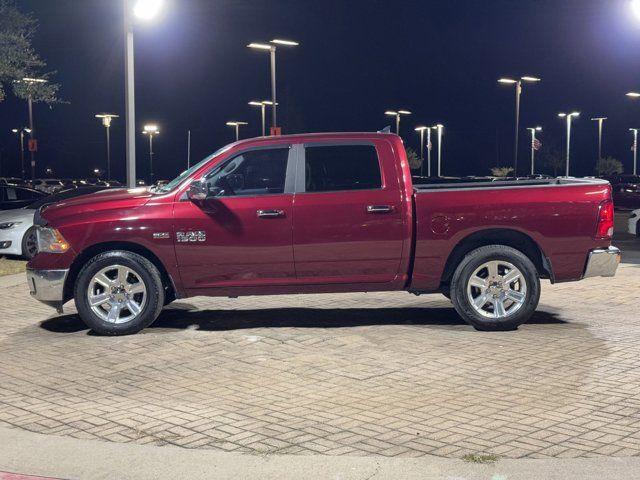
{"type": "Point", "coordinates": [106, 123]}
{"type": "Point", "coordinates": [600, 121]}
{"type": "Point", "coordinates": [151, 131]}
{"type": "Point", "coordinates": [262, 106]}
{"type": "Point", "coordinates": [635, 7]}
{"type": "Point", "coordinates": [237, 127]}
{"type": "Point", "coordinates": [518, 84]}
{"type": "Point", "coordinates": [20, 132]}
{"type": "Point", "coordinates": [635, 149]}
{"type": "Point", "coordinates": [271, 47]}
{"type": "Point", "coordinates": [397, 114]}
{"type": "Point", "coordinates": [569, 117]}
{"type": "Point", "coordinates": [534, 146]}
{"type": "Point", "coordinates": [142, 10]}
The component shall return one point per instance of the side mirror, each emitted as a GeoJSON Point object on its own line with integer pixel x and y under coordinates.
{"type": "Point", "coordinates": [197, 191]}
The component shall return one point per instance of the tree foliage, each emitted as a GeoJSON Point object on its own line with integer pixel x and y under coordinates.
{"type": "Point", "coordinates": [501, 171]}
{"type": "Point", "coordinates": [18, 58]}
{"type": "Point", "coordinates": [609, 166]}
{"type": "Point", "coordinates": [415, 162]}
{"type": "Point", "coordinates": [554, 160]}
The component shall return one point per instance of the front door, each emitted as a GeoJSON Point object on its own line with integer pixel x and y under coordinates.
{"type": "Point", "coordinates": [349, 224]}
{"type": "Point", "coordinates": [241, 235]}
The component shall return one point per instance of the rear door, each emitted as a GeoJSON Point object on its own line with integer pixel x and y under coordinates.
{"type": "Point", "coordinates": [349, 215]}
{"type": "Point", "coordinates": [242, 235]}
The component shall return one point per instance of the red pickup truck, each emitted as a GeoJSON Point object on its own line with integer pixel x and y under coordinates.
{"type": "Point", "coordinates": [319, 213]}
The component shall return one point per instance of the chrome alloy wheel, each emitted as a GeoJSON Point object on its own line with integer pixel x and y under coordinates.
{"type": "Point", "coordinates": [497, 289]}
{"type": "Point", "coordinates": [117, 294]}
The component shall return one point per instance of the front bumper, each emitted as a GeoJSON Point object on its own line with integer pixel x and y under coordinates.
{"type": "Point", "coordinates": [47, 286]}
{"type": "Point", "coordinates": [602, 262]}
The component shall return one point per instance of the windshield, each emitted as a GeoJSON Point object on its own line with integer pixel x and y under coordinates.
{"type": "Point", "coordinates": [187, 173]}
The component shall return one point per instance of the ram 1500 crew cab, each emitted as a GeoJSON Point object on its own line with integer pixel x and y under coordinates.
{"type": "Point", "coordinates": [319, 213]}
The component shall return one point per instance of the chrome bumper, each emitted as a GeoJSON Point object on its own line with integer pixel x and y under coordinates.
{"type": "Point", "coordinates": [47, 286]}
{"type": "Point", "coordinates": [602, 262]}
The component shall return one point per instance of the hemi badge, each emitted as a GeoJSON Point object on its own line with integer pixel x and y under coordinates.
{"type": "Point", "coordinates": [160, 235]}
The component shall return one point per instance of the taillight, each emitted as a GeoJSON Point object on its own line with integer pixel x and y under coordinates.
{"type": "Point", "coordinates": [605, 220]}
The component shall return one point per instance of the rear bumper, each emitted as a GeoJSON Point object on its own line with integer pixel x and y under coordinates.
{"type": "Point", "coordinates": [47, 286]}
{"type": "Point", "coordinates": [602, 262]}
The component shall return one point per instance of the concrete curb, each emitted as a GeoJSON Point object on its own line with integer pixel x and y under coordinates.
{"type": "Point", "coordinates": [70, 458]}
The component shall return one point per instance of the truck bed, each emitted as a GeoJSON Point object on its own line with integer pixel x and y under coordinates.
{"type": "Point", "coordinates": [558, 215]}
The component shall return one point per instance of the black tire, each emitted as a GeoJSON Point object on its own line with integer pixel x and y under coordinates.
{"type": "Point", "coordinates": [148, 274]}
{"type": "Point", "coordinates": [476, 259]}
{"type": "Point", "coordinates": [30, 243]}
{"type": "Point", "coordinates": [638, 229]}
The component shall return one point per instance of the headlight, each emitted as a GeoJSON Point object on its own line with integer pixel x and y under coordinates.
{"type": "Point", "coordinates": [633, 215]}
{"type": "Point", "coordinates": [7, 225]}
{"type": "Point", "coordinates": [51, 240]}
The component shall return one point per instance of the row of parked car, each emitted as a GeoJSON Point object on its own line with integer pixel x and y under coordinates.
{"type": "Point", "coordinates": [54, 185]}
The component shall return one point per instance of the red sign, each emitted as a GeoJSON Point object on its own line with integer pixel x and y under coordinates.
{"type": "Point", "coordinates": [276, 131]}
{"type": "Point", "coordinates": [33, 145]}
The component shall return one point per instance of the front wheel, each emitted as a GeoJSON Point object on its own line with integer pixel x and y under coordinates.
{"type": "Point", "coordinates": [495, 288]}
{"type": "Point", "coordinates": [30, 243]}
{"type": "Point", "coordinates": [119, 293]}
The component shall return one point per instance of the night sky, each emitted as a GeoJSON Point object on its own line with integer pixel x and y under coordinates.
{"type": "Point", "coordinates": [356, 59]}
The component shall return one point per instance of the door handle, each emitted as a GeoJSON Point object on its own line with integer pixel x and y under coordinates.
{"type": "Point", "coordinates": [270, 213]}
{"type": "Point", "coordinates": [379, 209]}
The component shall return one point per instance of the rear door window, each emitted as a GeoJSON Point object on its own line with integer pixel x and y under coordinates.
{"type": "Point", "coordinates": [341, 167]}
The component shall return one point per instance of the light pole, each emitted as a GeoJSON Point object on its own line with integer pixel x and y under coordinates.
{"type": "Point", "coordinates": [518, 84]}
{"type": "Point", "coordinates": [569, 117]}
{"type": "Point", "coordinates": [439, 127]}
{"type": "Point", "coordinates": [534, 146]}
{"type": "Point", "coordinates": [106, 123]}
{"type": "Point", "coordinates": [21, 132]}
{"type": "Point", "coordinates": [600, 121]}
{"type": "Point", "coordinates": [635, 149]}
{"type": "Point", "coordinates": [397, 114]}
{"type": "Point", "coordinates": [143, 10]}
{"type": "Point", "coordinates": [420, 131]}
{"type": "Point", "coordinates": [33, 145]}
{"type": "Point", "coordinates": [151, 131]}
{"type": "Point", "coordinates": [236, 125]}
{"type": "Point", "coordinates": [263, 104]}
{"type": "Point", "coordinates": [271, 47]}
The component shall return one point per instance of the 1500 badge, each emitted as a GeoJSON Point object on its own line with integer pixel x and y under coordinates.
{"type": "Point", "coordinates": [191, 236]}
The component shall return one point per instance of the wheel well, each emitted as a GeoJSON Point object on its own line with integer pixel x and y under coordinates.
{"type": "Point", "coordinates": [510, 238]}
{"type": "Point", "coordinates": [98, 248]}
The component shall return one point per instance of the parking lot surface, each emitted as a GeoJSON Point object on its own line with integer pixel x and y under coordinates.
{"type": "Point", "coordinates": [356, 374]}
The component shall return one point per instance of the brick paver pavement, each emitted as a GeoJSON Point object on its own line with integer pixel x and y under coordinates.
{"type": "Point", "coordinates": [361, 374]}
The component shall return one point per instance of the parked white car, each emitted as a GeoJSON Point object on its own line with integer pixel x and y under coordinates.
{"type": "Point", "coordinates": [634, 223]}
{"type": "Point", "coordinates": [48, 185]}
{"type": "Point", "coordinates": [17, 232]}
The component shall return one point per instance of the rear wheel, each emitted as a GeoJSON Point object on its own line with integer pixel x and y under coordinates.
{"type": "Point", "coordinates": [118, 293]}
{"type": "Point", "coordinates": [495, 288]}
{"type": "Point", "coordinates": [30, 243]}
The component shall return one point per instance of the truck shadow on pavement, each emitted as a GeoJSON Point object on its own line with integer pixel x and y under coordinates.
{"type": "Point", "coordinates": [183, 316]}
